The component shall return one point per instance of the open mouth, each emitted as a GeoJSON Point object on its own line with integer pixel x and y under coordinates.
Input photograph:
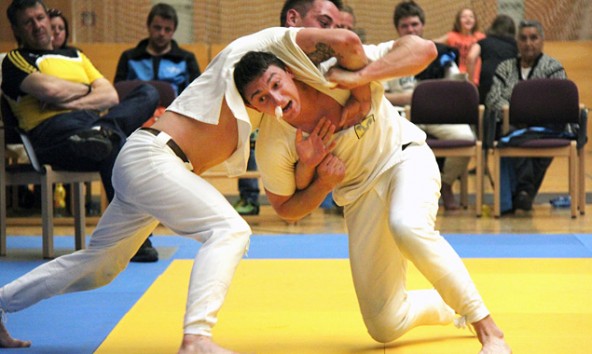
{"type": "Point", "coordinates": [287, 107]}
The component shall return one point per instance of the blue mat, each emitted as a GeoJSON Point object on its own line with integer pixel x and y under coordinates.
{"type": "Point", "coordinates": [335, 245]}
{"type": "Point", "coordinates": [65, 319]}
{"type": "Point", "coordinates": [467, 246]}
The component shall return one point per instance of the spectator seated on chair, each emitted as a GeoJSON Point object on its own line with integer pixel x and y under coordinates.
{"type": "Point", "coordinates": [526, 174]}
{"type": "Point", "coordinates": [71, 113]}
{"type": "Point", "coordinates": [159, 57]}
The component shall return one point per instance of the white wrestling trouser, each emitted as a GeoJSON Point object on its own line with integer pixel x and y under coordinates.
{"type": "Point", "coordinates": [395, 222]}
{"type": "Point", "coordinates": [151, 184]}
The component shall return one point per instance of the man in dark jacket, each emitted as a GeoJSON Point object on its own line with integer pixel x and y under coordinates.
{"type": "Point", "coordinates": [159, 57]}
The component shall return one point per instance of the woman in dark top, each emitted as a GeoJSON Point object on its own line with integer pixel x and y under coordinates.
{"type": "Point", "coordinates": [499, 45]}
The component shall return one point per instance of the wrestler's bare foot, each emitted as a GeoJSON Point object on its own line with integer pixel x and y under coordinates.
{"type": "Point", "coordinates": [448, 197]}
{"type": "Point", "coordinates": [196, 344]}
{"type": "Point", "coordinates": [6, 341]}
{"type": "Point", "coordinates": [491, 337]}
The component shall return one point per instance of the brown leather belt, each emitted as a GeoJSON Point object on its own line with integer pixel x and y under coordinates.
{"type": "Point", "coordinates": [171, 143]}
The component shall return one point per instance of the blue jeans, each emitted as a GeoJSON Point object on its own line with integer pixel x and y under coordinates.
{"type": "Point", "coordinates": [51, 143]}
{"type": "Point", "coordinates": [507, 184]}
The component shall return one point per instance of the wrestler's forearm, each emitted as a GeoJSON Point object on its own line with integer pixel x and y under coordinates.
{"type": "Point", "coordinates": [301, 203]}
{"type": "Point", "coordinates": [409, 56]}
{"type": "Point", "coordinates": [323, 44]}
{"type": "Point", "coordinates": [304, 175]}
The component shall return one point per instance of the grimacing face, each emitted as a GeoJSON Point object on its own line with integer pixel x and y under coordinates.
{"type": "Point", "coordinates": [33, 28]}
{"type": "Point", "coordinates": [275, 87]}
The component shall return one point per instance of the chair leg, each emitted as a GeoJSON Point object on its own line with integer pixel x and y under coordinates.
{"type": "Point", "coordinates": [573, 180]}
{"type": "Point", "coordinates": [104, 201]}
{"type": "Point", "coordinates": [464, 189]}
{"type": "Point", "coordinates": [47, 217]}
{"type": "Point", "coordinates": [582, 181]}
{"type": "Point", "coordinates": [496, 184]}
{"type": "Point", "coordinates": [479, 184]}
{"type": "Point", "coordinates": [79, 214]}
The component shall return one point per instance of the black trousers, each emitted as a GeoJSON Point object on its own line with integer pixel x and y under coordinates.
{"type": "Point", "coordinates": [530, 173]}
{"type": "Point", "coordinates": [52, 146]}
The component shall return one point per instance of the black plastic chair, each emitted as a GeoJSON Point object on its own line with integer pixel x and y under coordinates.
{"type": "Point", "coordinates": [452, 102]}
{"type": "Point", "coordinates": [165, 90]}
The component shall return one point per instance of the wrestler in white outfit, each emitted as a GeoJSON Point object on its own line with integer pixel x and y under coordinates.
{"type": "Point", "coordinates": [152, 184]}
{"type": "Point", "coordinates": [390, 196]}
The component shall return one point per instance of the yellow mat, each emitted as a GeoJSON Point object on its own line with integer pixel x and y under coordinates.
{"type": "Point", "coordinates": [309, 306]}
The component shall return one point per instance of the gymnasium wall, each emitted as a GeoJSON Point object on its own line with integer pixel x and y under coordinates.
{"type": "Point", "coordinates": [220, 21]}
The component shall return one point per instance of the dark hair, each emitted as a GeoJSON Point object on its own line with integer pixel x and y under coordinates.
{"type": "Point", "coordinates": [53, 13]}
{"type": "Point", "coordinates": [302, 6]}
{"type": "Point", "coordinates": [251, 66]}
{"type": "Point", "coordinates": [165, 11]}
{"type": "Point", "coordinates": [503, 26]}
{"type": "Point", "coordinates": [349, 10]}
{"type": "Point", "coordinates": [19, 5]}
{"type": "Point", "coordinates": [457, 26]}
{"type": "Point", "coordinates": [532, 23]}
{"type": "Point", "coordinates": [406, 9]}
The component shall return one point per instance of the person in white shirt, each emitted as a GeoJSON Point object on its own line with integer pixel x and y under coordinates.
{"type": "Point", "coordinates": [378, 167]}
